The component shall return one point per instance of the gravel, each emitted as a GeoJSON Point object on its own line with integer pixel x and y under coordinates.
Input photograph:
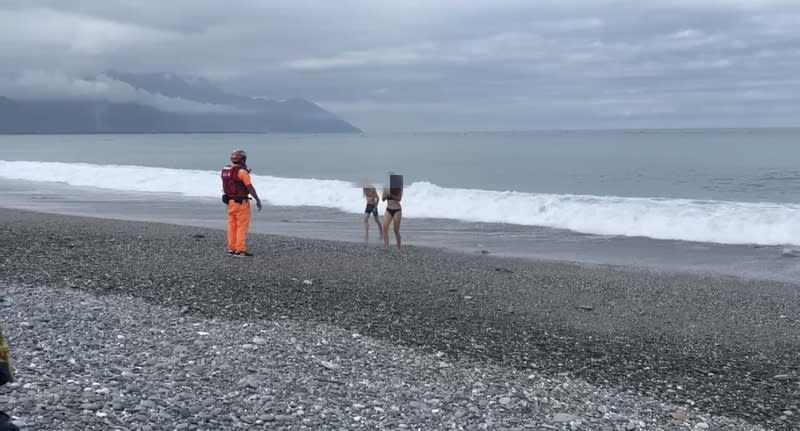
{"type": "Point", "coordinates": [116, 362]}
{"type": "Point", "coordinates": [675, 350]}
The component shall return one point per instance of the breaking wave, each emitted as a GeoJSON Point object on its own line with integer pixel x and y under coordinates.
{"type": "Point", "coordinates": [660, 218]}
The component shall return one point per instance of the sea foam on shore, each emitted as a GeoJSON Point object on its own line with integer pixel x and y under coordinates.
{"type": "Point", "coordinates": [714, 221]}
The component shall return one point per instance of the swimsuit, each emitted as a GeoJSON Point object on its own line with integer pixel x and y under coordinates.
{"type": "Point", "coordinates": [371, 209]}
{"type": "Point", "coordinates": [392, 211]}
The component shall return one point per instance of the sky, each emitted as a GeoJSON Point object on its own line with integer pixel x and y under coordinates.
{"type": "Point", "coordinates": [422, 65]}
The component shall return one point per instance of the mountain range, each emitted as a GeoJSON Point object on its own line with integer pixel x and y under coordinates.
{"type": "Point", "coordinates": [163, 103]}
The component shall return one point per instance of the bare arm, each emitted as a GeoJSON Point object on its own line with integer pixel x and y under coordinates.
{"type": "Point", "coordinates": [252, 191]}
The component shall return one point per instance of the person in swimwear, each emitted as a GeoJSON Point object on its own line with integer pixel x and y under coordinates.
{"type": "Point", "coordinates": [392, 216]}
{"type": "Point", "coordinates": [371, 195]}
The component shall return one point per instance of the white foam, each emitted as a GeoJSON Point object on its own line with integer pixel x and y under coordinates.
{"type": "Point", "coordinates": [661, 218]}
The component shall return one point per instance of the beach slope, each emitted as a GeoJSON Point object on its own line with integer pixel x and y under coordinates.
{"type": "Point", "coordinates": [705, 344]}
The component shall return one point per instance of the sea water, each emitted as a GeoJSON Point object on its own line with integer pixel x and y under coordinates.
{"type": "Point", "coordinates": [713, 200]}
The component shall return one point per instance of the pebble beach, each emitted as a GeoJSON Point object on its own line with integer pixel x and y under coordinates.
{"type": "Point", "coordinates": [146, 326]}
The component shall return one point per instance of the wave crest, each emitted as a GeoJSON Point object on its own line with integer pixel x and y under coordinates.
{"type": "Point", "coordinates": [660, 218]}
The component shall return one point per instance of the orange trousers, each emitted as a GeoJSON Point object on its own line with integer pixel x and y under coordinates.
{"type": "Point", "coordinates": [238, 224]}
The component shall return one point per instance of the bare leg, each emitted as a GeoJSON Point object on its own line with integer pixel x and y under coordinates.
{"type": "Point", "coordinates": [366, 227]}
{"type": "Point", "coordinates": [377, 221]}
{"type": "Point", "coordinates": [387, 220]}
{"type": "Point", "coordinates": [398, 216]}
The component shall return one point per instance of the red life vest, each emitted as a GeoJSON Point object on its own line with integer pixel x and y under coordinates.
{"type": "Point", "coordinates": [231, 184]}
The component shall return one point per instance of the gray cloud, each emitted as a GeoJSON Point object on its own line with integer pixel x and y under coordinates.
{"type": "Point", "coordinates": [410, 65]}
{"type": "Point", "coordinates": [38, 85]}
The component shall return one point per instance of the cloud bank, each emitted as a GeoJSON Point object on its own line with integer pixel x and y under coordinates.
{"type": "Point", "coordinates": [446, 65]}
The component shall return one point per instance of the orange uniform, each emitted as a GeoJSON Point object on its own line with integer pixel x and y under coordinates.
{"type": "Point", "coordinates": [239, 218]}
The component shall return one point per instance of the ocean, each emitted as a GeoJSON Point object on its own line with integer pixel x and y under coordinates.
{"type": "Point", "coordinates": [718, 201]}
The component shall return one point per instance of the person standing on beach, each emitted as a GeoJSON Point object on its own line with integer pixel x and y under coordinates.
{"type": "Point", "coordinates": [372, 208]}
{"type": "Point", "coordinates": [393, 214]}
{"type": "Point", "coordinates": [237, 188]}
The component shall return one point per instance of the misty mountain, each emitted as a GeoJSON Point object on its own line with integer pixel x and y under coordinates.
{"type": "Point", "coordinates": [165, 103]}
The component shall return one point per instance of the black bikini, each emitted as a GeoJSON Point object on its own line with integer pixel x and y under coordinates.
{"type": "Point", "coordinates": [392, 211]}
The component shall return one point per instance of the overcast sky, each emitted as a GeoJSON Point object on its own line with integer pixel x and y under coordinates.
{"type": "Point", "coordinates": [435, 64]}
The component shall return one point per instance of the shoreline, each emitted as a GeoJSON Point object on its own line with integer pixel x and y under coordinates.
{"type": "Point", "coordinates": [723, 341]}
{"type": "Point", "coordinates": [750, 262]}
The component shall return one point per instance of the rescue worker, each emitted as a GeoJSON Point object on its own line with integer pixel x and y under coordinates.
{"type": "Point", "coordinates": [237, 189]}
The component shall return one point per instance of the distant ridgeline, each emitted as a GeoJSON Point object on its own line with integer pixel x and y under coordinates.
{"type": "Point", "coordinates": [164, 103]}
